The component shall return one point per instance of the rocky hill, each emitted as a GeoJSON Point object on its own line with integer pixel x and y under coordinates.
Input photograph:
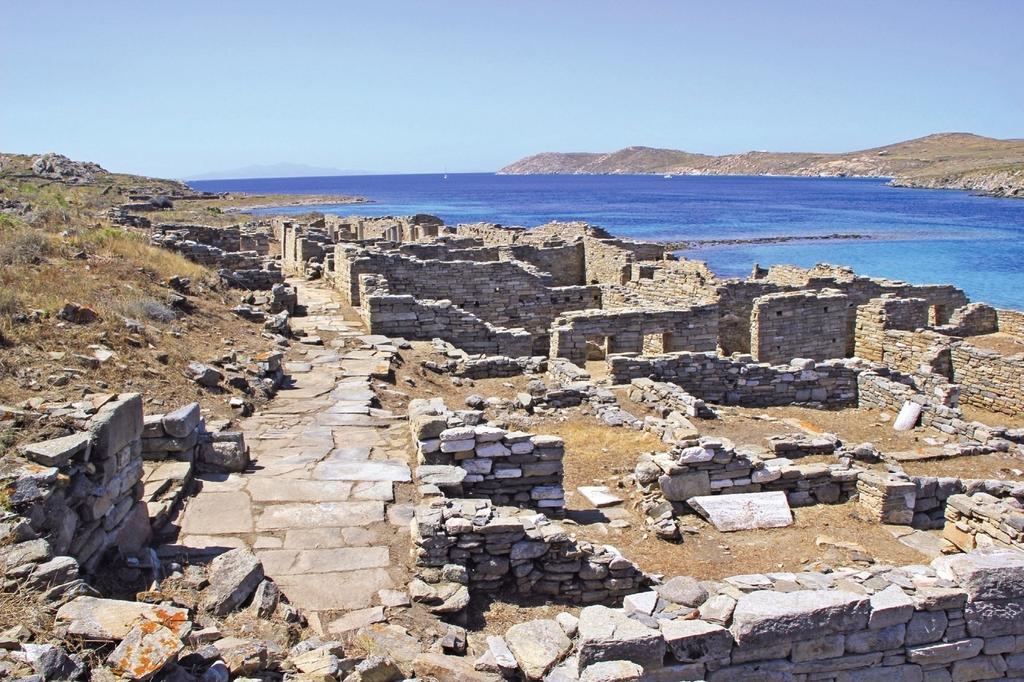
{"type": "Point", "coordinates": [944, 160]}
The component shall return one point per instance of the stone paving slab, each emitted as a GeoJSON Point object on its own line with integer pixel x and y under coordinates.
{"type": "Point", "coordinates": [278, 562]}
{"type": "Point", "coordinates": [296, 490]}
{"type": "Point", "coordinates": [336, 470]}
{"type": "Point", "coordinates": [304, 515]}
{"type": "Point", "coordinates": [218, 514]}
{"type": "Point", "coordinates": [342, 591]}
{"type": "Point", "coordinates": [315, 504]}
{"type": "Point", "coordinates": [353, 536]}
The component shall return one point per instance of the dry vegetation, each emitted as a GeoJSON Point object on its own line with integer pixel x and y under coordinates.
{"type": "Point", "coordinates": [62, 249]}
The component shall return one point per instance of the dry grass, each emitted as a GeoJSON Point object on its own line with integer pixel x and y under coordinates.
{"type": "Point", "coordinates": [24, 607]}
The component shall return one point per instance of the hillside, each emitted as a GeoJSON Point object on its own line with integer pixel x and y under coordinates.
{"type": "Point", "coordinates": [944, 160]}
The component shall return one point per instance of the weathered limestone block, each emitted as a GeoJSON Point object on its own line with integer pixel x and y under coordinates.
{"type": "Point", "coordinates": [764, 617]}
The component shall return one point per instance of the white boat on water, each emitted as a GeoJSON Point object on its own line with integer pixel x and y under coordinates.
{"type": "Point", "coordinates": [668, 177]}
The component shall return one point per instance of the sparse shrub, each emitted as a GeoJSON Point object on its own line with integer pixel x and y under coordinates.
{"type": "Point", "coordinates": [145, 307]}
{"type": "Point", "coordinates": [9, 302]}
{"type": "Point", "coordinates": [21, 245]}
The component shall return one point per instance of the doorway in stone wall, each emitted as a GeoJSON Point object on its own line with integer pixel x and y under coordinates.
{"type": "Point", "coordinates": [598, 347]}
{"type": "Point", "coordinates": [657, 343]}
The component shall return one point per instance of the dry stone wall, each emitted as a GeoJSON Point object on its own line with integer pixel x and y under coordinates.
{"type": "Point", "coordinates": [473, 544]}
{"type": "Point", "coordinates": [79, 496]}
{"type": "Point", "coordinates": [799, 324]}
{"type": "Point", "coordinates": [707, 466]}
{"type": "Point", "coordinates": [740, 381]}
{"type": "Point", "coordinates": [959, 618]}
{"type": "Point", "coordinates": [989, 380]}
{"type": "Point", "coordinates": [1011, 322]}
{"type": "Point", "coordinates": [506, 467]}
{"type": "Point", "coordinates": [421, 319]}
{"type": "Point", "coordinates": [626, 331]}
{"type": "Point", "coordinates": [983, 520]}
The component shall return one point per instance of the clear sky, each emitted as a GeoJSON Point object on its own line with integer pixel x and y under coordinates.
{"type": "Point", "coordinates": [185, 87]}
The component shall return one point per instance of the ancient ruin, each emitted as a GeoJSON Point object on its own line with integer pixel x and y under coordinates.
{"type": "Point", "coordinates": [492, 452]}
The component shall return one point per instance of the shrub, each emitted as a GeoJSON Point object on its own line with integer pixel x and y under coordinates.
{"type": "Point", "coordinates": [144, 307]}
{"type": "Point", "coordinates": [20, 245]}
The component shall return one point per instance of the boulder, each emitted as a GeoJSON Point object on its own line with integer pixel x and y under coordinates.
{"type": "Point", "coordinates": [53, 663]}
{"type": "Point", "coordinates": [683, 590]}
{"type": "Point", "coordinates": [609, 635]}
{"type": "Point", "coordinates": [537, 646]}
{"type": "Point", "coordinates": [204, 375]}
{"type": "Point", "coordinates": [233, 577]}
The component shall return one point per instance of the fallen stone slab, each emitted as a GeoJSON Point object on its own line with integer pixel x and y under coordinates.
{"type": "Point", "coordinates": [144, 652]}
{"type": "Point", "coordinates": [599, 495]}
{"type": "Point", "coordinates": [233, 576]}
{"type": "Point", "coordinates": [58, 451]}
{"type": "Point", "coordinates": [745, 511]}
{"type": "Point", "coordinates": [537, 646]}
{"type": "Point", "coordinates": [111, 619]}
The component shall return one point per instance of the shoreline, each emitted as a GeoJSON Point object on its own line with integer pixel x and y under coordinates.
{"type": "Point", "coordinates": [318, 200]}
{"type": "Point", "coordinates": [697, 244]}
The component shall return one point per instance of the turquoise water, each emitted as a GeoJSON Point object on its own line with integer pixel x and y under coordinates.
{"type": "Point", "coordinates": [922, 236]}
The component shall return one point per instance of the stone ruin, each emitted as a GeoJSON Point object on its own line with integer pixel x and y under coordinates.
{"type": "Point", "coordinates": [609, 327]}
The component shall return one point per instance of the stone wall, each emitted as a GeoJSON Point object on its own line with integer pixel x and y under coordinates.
{"type": "Point", "coordinates": [424, 320]}
{"type": "Point", "coordinates": [971, 320]}
{"type": "Point", "coordinates": [879, 315]}
{"type": "Point", "coordinates": [960, 618]}
{"type": "Point", "coordinates": [634, 331]}
{"type": "Point", "coordinates": [799, 324]}
{"type": "Point", "coordinates": [500, 292]}
{"type": "Point", "coordinates": [740, 381]}
{"type": "Point", "coordinates": [982, 520]}
{"type": "Point", "coordinates": [506, 467]}
{"type": "Point", "coordinates": [610, 261]}
{"type": "Point", "coordinates": [989, 380]}
{"type": "Point", "coordinates": [1011, 322]}
{"type": "Point", "coordinates": [500, 366]}
{"type": "Point", "coordinates": [661, 395]}
{"type": "Point", "coordinates": [706, 466]}
{"type": "Point", "coordinates": [390, 228]}
{"type": "Point", "coordinates": [470, 545]}
{"type": "Point", "coordinates": [78, 496]}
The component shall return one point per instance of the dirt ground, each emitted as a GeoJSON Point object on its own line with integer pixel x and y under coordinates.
{"type": "Point", "coordinates": [1006, 467]}
{"type": "Point", "coordinates": [1001, 342]}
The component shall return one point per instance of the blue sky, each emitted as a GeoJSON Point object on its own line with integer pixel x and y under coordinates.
{"type": "Point", "coordinates": [181, 88]}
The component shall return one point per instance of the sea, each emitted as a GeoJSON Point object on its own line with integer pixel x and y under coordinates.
{"type": "Point", "coordinates": [922, 236]}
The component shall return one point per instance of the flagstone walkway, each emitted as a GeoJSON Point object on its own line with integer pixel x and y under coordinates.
{"type": "Point", "coordinates": [315, 507]}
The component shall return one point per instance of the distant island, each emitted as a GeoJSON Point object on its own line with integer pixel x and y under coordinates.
{"type": "Point", "coordinates": [944, 160]}
{"type": "Point", "coordinates": [274, 170]}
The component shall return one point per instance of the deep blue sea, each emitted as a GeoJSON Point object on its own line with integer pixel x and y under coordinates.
{"type": "Point", "coordinates": [923, 236]}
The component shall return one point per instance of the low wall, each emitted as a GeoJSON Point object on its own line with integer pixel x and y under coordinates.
{"type": "Point", "coordinates": [506, 467]}
{"type": "Point", "coordinates": [706, 466]}
{"type": "Point", "coordinates": [982, 520]}
{"type": "Point", "coordinates": [79, 496]}
{"type": "Point", "coordinates": [960, 618]}
{"type": "Point", "coordinates": [661, 395]}
{"type": "Point", "coordinates": [487, 550]}
{"type": "Point", "coordinates": [739, 381]}
{"type": "Point", "coordinates": [500, 366]}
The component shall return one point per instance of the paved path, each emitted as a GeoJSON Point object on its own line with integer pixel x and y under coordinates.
{"type": "Point", "coordinates": [315, 508]}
